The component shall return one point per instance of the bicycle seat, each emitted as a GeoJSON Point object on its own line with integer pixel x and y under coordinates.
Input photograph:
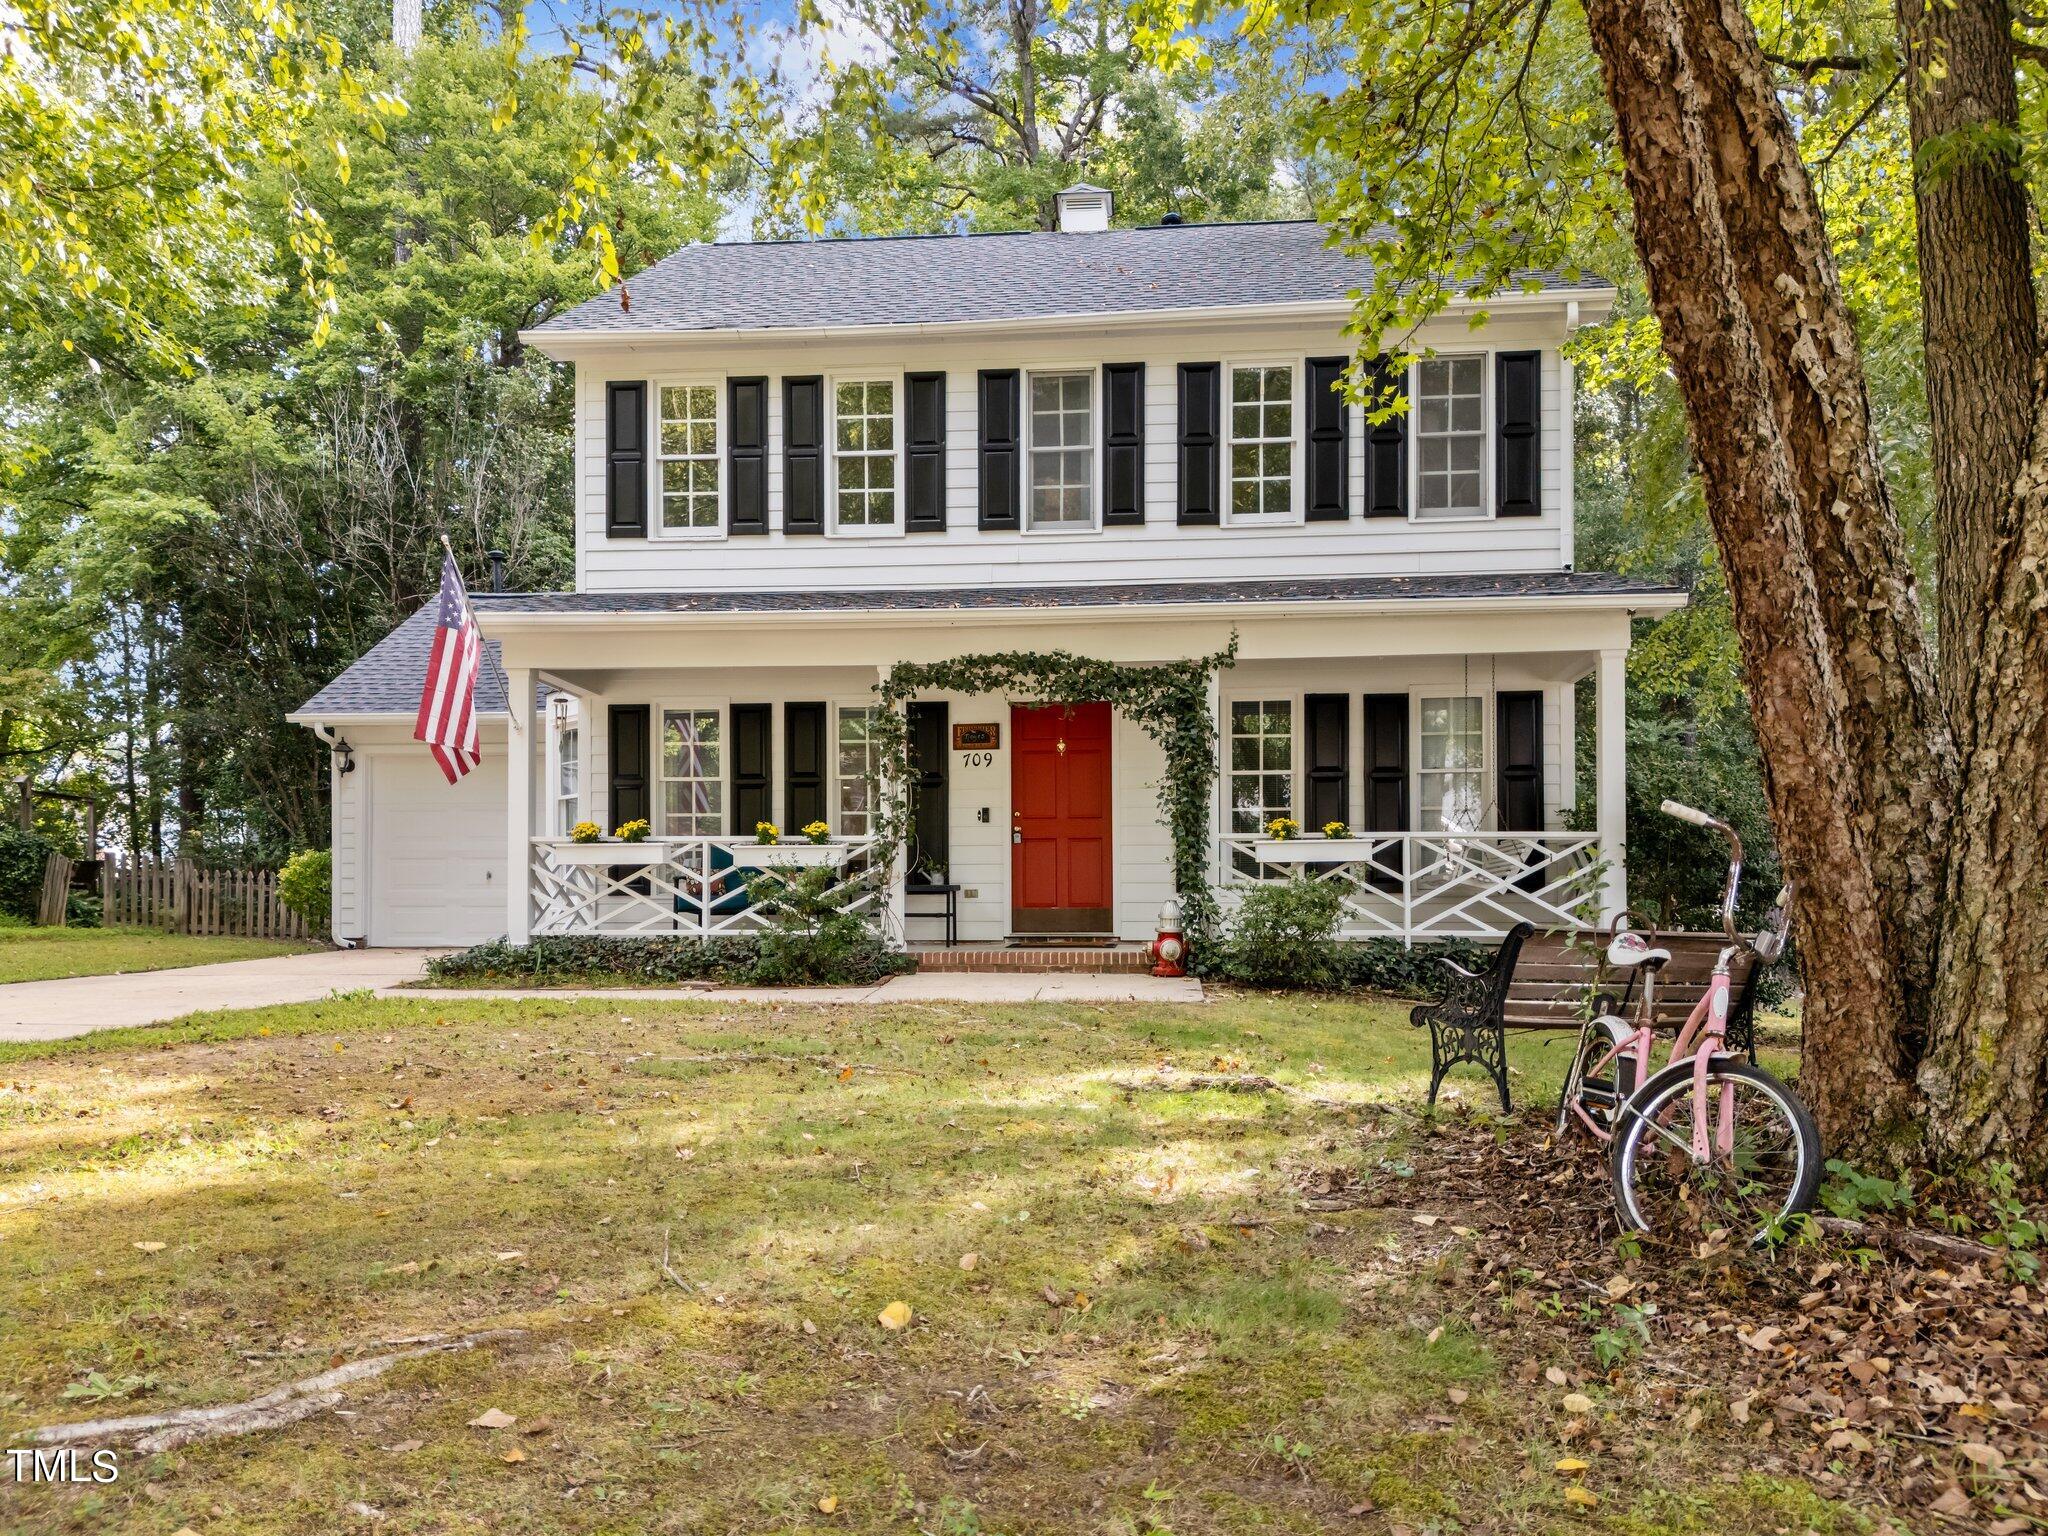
{"type": "Point", "coordinates": [1631, 951]}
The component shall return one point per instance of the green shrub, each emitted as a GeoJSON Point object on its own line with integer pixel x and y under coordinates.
{"type": "Point", "coordinates": [1283, 935]}
{"type": "Point", "coordinates": [306, 886]}
{"type": "Point", "coordinates": [814, 935]}
{"type": "Point", "coordinates": [608, 960]}
{"type": "Point", "coordinates": [22, 857]}
{"type": "Point", "coordinates": [82, 910]}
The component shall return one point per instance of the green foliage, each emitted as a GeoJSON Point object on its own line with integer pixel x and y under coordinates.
{"type": "Point", "coordinates": [815, 933]}
{"type": "Point", "coordinates": [22, 857]}
{"type": "Point", "coordinates": [306, 886]}
{"type": "Point", "coordinates": [1171, 703]}
{"type": "Point", "coordinates": [1282, 935]}
{"type": "Point", "coordinates": [603, 960]}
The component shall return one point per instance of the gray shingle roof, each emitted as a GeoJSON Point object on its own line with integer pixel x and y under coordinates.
{"type": "Point", "coordinates": [386, 680]}
{"type": "Point", "coordinates": [939, 279]}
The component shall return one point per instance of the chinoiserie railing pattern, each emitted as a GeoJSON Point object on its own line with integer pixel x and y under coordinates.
{"type": "Point", "coordinates": [702, 887]}
{"type": "Point", "coordinates": [179, 895]}
{"type": "Point", "coordinates": [1436, 885]}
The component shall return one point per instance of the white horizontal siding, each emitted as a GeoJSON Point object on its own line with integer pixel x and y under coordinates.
{"type": "Point", "coordinates": [964, 555]}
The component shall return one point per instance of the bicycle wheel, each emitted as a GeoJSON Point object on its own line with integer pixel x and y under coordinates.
{"type": "Point", "coordinates": [1599, 1091]}
{"type": "Point", "coordinates": [1772, 1170]}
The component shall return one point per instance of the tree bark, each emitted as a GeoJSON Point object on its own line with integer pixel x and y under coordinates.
{"type": "Point", "coordinates": [1855, 764]}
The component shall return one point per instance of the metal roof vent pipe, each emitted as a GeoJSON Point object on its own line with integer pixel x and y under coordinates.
{"type": "Point", "coordinates": [1173, 218]}
{"type": "Point", "coordinates": [1083, 210]}
{"type": "Point", "coordinates": [497, 559]}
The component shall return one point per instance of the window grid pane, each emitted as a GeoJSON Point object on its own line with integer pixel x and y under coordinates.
{"type": "Point", "coordinates": [689, 457]}
{"type": "Point", "coordinates": [1261, 441]}
{"type": "Point", "coordinates": [1260, 752]}
{"type": "Point", "coordinates": [1062, 450]}
{"type": "Point", "coordinates": [860, 764]}
{"type": "Point", "coordinates": [1450, 436]}
{"type": "Point", "coordinates": [1452, 744]}
{"type": "Point", "coordinates": [864, 435]}
{"type": "Point", "coordinates": [692, 773]}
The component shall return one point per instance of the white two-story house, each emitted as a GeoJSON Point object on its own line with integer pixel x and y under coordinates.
{"type": "Point", "coordinates": [799, 465]}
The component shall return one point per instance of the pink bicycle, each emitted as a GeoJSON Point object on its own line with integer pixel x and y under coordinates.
{"type": "Point", "coordinates": [1711, 1140]}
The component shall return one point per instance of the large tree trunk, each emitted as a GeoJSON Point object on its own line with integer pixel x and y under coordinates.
{"type": "Point", "coordinates": [1985, 1075]}
{"type": "Point", "coordinates": [1856, 765]}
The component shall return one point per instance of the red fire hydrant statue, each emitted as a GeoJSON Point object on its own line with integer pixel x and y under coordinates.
{"type": "Point", "coordinates": [1169, 949]}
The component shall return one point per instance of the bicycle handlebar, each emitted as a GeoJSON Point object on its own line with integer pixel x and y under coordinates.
{"type": "Point", "coordinates": [1701, 819]}
{"type": "Point", "coordinates": [1687, 813]}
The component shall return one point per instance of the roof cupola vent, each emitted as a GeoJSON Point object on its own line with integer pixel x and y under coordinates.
{"type": "Point", "coordinates": [1172, 218]}
{"type": "Point", "coordinates": [1083, 209]}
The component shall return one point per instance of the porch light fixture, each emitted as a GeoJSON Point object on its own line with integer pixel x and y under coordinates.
{"type": "Point", "coordinates": [344, 754]}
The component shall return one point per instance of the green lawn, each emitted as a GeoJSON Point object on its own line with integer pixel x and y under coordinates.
{"type": "Point", "coordinates": [41, 954]}
{"type": "Point", "coordinates": [1121, 1320]}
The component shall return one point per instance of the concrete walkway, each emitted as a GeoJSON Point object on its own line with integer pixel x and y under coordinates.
{"type": "Point", "coordinates": [78, 1005]}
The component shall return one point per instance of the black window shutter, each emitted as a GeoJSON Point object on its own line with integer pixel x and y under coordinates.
{"type": "Point", "coordinates": [1329, 441]}
{"type": "Point", "coordinates": [746, 455]}
{"type": "Point", "coordinates": [1000, 465]}
{"type": "Point", "coordinates": [930, 811]}
{"type": "Point", "coordinates": [1518, 741]}
{"type": "Point", "coordinates": [1123, 444]}
{"type": "Point", "coordinates": [1518, 433]}
{"type": "Point", "coordinates": [803, 456]}
{"type": "Point", "coordinates": [924, 442]}
{"type": "Point", "coordinates": [752, 767]}
{"type": "Point", "coordinates": [1201, 454]}
{"type": "Point", "coordinates": [625, 461]}
{"type": "Point", "coordinates": [1326, 759]}
{"type": "Point", "coordinates": [628, 796]}
{"type": "Point", "coordinates": [1386, 448]}
{"type": "Point", "coordinates": [1384, 751]}
{"type": "Point", "coordinates": [803, 765]}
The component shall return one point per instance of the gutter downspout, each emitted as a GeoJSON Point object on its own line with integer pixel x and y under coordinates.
{"type": "Point", "coordinates": [337, 746]}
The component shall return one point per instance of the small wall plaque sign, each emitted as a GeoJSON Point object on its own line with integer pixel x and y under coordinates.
{"type": "Point", "coordinates": [977, 738]}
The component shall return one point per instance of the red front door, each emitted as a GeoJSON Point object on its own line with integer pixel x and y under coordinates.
{"type": "Point", "coordinates": [1059, 822]}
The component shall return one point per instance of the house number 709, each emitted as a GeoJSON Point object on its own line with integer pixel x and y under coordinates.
{"type": "Point", "coordinates": [977, 759]}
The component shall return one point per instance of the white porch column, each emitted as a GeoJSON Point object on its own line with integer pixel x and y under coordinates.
{"type": "Point", "coordinates": [1610, 747]}
{"type": "Point", "coordinates": [519, 803]}
{"type": "Point", "coordinates": [895, 902]}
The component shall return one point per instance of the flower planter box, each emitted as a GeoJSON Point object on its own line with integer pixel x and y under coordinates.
{"type": "Point", "coordinates": [606, 853]}
{"type": "Point", "coordinates": [791, 855]}
{"type": "Point", "coordinates": [1316, 850]}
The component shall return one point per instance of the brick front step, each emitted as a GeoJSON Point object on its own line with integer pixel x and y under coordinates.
{"type": "Point", "coordinates": [1123, 958]}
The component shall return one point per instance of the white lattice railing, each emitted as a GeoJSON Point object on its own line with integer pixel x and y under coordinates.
{"type": "Point", "coordinates": [1436, 885]}
{"type": "Point", "coordinates": [697, 886]}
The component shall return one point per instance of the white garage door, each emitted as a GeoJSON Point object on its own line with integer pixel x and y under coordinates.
{"type": "Point", "coordinates": [437, 852]}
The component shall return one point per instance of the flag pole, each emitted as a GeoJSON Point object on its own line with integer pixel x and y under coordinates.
{"type": "Point", "coordinates": [504, 682]}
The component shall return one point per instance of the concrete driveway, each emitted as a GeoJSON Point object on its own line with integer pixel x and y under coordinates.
{"type": "Point", "coordinates": [77, 1005]}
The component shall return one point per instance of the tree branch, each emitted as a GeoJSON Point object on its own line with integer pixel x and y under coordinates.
{"type": "Point", "coordinates": [1806, 69]}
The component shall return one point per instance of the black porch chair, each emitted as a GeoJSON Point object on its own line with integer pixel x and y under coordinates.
{"type": "Point", "coordinates": [1469, 1022]}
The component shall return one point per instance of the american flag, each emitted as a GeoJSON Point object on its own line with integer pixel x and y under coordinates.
{"type": "Point", "coordinates": [447, 721]}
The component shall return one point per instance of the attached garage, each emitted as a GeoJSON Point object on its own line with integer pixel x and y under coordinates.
{"type": "Point", "coordinates": [436, 852]}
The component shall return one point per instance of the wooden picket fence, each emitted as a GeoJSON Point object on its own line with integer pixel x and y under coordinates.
{"type": "Point", "coordinates": [179, 896]}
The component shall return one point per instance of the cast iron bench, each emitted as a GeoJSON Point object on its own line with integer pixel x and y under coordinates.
{"type": "Point", "coordinates": [1546, 981]}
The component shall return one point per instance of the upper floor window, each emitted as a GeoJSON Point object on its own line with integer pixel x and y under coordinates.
{"type": "Point", "coordinates": [864, 449]}
{"type": "Point", "coordinates": [689, 458]}
{"type": "Point", "coordinates": [1450, 436]}
{"type": "Point", "coordinates": [1261, 440]}
{"type": "Point", "coordinates": [692, 773]}
{"type": "Point", "coordinates": [1062, 450]}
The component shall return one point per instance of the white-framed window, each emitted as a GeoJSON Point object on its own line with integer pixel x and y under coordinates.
{"type": "Point", "coordinates": [568, 777]}
{"type": "Point", "coordinates": [692, 800]}
{"type": "Point", "coordinates": [864, 439]}
{"type": "Point", "coordinates": [1260, 425]}
{"type": "Point", "coordinates": [858, 760]}
{"type": "Point", "coordinates": [689, 460]}
{"type": "Point", "coordinates": [1060, 450]}
{"type": "Point", "coordinates": [1450, 759]}
{"type": "Point", "coordinates": [1451, 456]}
{"type": "Point", "coordinates": [1260, 748]}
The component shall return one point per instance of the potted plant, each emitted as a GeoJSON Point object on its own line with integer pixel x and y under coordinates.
{"type": "Point", "coordinates": [1334, 829]}
{"type": "Point", "coordinates": [1283, 829]}
{"type": "Point", "coordinates": [767, 833]}
{"type": "Point", "coordinates": [632, 832]}
{"type": "Point", "coordinates": [585, 832]}
{"type": "Point", "coordinates": [817, 832]}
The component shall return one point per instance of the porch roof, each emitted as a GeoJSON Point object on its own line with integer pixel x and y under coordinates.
{"type": "Point", "coordinates": [385, 681]}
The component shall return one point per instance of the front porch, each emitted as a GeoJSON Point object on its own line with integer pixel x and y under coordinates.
{"type": "Point", "coordinates": [1453, 769]}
